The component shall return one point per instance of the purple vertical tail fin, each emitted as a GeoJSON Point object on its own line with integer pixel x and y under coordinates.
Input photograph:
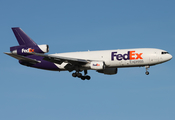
{"type": "Point", "coordinates": [26, 44]}
{"type": "Point", "coordinates": [22, 37]}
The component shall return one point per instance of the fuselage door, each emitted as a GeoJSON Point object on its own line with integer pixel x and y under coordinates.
{"type": "Point", "coordinates": [154, 58]}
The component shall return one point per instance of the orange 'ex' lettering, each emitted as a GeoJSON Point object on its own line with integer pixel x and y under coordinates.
{"type": "Point", "coordinates": [132, 55]}
{"type": "Point", "coordinates": [31, 50]}
{"type": "Point", "coordinates": [139, 56]}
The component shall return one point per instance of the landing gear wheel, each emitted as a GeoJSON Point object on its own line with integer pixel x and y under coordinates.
{"type": "Point", "coordinates": [74, 75]}
{"type": "Point", "coordinates": [83, 77]}
{"type": "Point", "coordinates": [88, 77]}
{"type": "Point", "coordinates": [147, 73]}
{"type": "Point", "coordinates": [79, 75]}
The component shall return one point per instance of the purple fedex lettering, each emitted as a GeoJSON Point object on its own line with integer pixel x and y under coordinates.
{"type": "Point", "coordinates": [113, 54]}
{"type": "Point", "coordinates": [126, 56]}
{"type": "Point", "coordinates": [131, 55]}
{"type": "Point", "coordinates": [120, 56]}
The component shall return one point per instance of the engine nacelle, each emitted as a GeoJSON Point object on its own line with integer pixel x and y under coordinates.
{"type": "Point", "coordinates": [44, 48]}
{"type": "Point", "coordinates": [97, 65]}
{"type": "Point", "coordinates": [25, 50]}
{"type": "Point", "coordinates": [108, 71]}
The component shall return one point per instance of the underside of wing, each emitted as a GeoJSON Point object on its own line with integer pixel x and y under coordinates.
{"type": "Point", "coordinates": [60, 59]}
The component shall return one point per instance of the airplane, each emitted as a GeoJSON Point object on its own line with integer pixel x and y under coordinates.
{"type": "Point", "coordinates": [104, 61]}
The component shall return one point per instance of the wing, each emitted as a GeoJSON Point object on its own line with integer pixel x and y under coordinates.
{"type": "Point", "coordinates": [60, 59]}
{"type": "Point", "coordinates": [19, 57]}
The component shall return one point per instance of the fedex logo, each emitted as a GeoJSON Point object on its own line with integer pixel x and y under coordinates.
{"type": "Point", "coordinates": [27, 50]}
{"type": "Point", "coordinates": [131, 55]}
{"type": "Point", "coordinates": [96, 64]}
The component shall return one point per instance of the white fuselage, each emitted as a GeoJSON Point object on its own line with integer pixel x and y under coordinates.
{"type": "Point", "coordinates": [121, 57]}
{"type": "Point", "coordinates": [105, 61]}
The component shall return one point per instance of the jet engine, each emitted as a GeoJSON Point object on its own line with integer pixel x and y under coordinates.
{"type": "Point", "coordinates": [97, 65]}
{"type": "Point", "coordinates": [44, 48]}
{"type": "Point", "coordinates": [24, 50]}
{"type": "Point", "coordinates": [108, 71]}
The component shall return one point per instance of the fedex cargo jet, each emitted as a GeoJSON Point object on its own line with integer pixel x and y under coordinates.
{"type": "Point", "coordinates": [105, 61]}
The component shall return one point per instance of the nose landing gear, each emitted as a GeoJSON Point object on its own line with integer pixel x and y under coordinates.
{"type": "Point", "coordinates": [147, 73]}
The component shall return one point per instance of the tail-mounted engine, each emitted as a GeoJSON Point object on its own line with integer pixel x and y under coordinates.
{"type": "Point", "coordinates": [25, 50]}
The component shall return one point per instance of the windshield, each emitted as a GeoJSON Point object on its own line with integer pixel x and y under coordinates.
{"type": "Point", "coordinates": [165, 53]}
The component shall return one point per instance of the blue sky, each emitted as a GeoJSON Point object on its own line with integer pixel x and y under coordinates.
{"type": "Point", "coordinates": [81, 25]}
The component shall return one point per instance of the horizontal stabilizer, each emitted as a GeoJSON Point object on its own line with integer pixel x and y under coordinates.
{"type": "Point", "coordinates": [22, 58]}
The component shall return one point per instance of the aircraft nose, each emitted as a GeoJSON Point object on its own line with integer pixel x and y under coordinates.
{"type": "Point", "coordinates": [170, 57]}
{"type": "Point", "coordinates": [166, 57]}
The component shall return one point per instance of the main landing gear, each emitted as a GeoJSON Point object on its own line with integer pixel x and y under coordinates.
{"type": "Point", "coordinates": [147, 73]}
{"type": "Point", "coordinates": [79, 75]}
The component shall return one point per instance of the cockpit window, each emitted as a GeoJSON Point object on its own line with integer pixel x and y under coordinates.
{"type": "Point", "coordinates": [165, 53]}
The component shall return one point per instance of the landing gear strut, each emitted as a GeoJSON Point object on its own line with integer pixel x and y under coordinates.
{"type": "Point", "coordinates": [147, 73]}
{"type": "Point", "coordinates": [79, 75]}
